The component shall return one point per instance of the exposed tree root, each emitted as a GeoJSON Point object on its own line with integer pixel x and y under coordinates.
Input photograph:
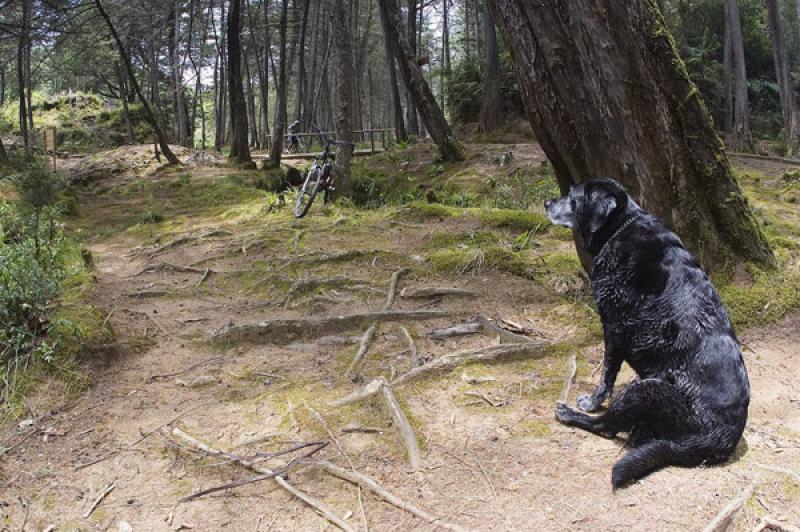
{"type": "Point", "coordinates": [728, 512]}
{"type": "Point", "coordinates": [320, 507]}
{"type": "Point", "coordinates": [573, 369]}
{"type": "Point", "coordinates": [290, 330]}
{"type": "Point", "coordinates": [343, 256]}
{"type": "Point", "coordinates": [363, 347]}
{"type": "Point", "coordinates": [412, 347]}
{"type": "Point", "coordinates": [393, 287]}
{"type": "Point", "coordinates": [477, 325]}
{"type": "Point", "coordinates": [373, 388]}
{"type": "Point", "coordinates": [368, 483]}
{"type": "Point", "coordinates": [189, 238]}
{"type": "Point", "coordinates": [403, 426]}
{"type": "Point", "coordinates": [305, 285]}
{"type": "Point", "coordinates": [434, 291]}
{"type": "Point", "coordinates": [463, 329]}
{"type": "Point", "coordinates": [169, 266]}
{"type": "Point", "coordinates": [498, 352]}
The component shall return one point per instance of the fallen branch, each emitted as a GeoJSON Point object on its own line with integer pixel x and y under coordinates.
{"type": "Point", "coordinates": [412, 347]}
{"type": "Point", "coordinates": [98, 500]}
{"type": "Point", "coordinates": [319, 506]}
{"type": "Point", "coordinates": [170, 422]}
{"type": "Point", "coordinates": [353, 429]}
{"type": "Point", "coordinates": [729, 511]}
{"type": "Point", "coordinates": [489, 326]}
{"type": "Point", "coordinates": [494, 353]}
{"type": "Point", "coordinates": [368, 483]}
{"type": "Point", "coordinates": [464, 329]}
{"type": "Point", "coordinates": [366, 341]}
{"type": "Point", "coordinates": [6, 450]}
{"type": "Point", "coordinates": [393, 287]}
{"type": "Point", "coordinates": [305, 285]}
{"type": "Point", "coordinates": [573, 369]}
{"type": "Point", "coordinates": [402, 424]}
{"type": "Point", "coordinates": [434, 291]}
{"type": "Point", "coordinates": [289, 330]}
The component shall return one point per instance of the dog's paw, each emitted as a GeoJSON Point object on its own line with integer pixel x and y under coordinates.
{"type": "Point", "coordinates": [564, 413]}
{"type": "Point", "coordinates": [587, 403]}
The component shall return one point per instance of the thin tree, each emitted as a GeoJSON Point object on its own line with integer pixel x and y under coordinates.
{"type": "Point", "coordinates": [21, 80]}
{"type": "Point", "coordinates": [4, 161]}
{"type": "Point", "coordinates": [346, 94]}
{"type": "Point", "coordinates": [742, 135]}
{"type": "Point", "coordinates": [782, 73]}
{"type": "Point", "coordinates": [492, 109]}
{"type": "Point", "coordinates": [148, 111]}
{"type": "Point", "coordinates": [727, 75]}
{"type": "Point", "coordinates": [280, 114]}
{"type": "Point", "coordinates": [240, 149]}
{"type": "Point", "coordinates": [433, 117]}
{"type": "Point", "coordinates": [657, 138]}
{"type": "Point", "coordinates": [397, 106]}
{"type": "Point", "coordinates": [411, 32]}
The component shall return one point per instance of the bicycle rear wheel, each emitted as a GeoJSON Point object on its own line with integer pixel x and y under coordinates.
{"type": "Point", "coordinates": [307, 193]}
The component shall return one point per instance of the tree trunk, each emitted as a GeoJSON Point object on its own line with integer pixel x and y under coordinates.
{"type": "Point", "coordinates": [628, 110]}
{"type": "Point", "coordinates": [346, 95]}
{"type": "Point", "coordinates": [411, 32]}
{"type": "Point", "coordinates": [181, 122]}
{"type": "Point", "coordinates": [742, 136]}
{"type": "Point", "coordinates": [21, 46]}
{"type": "Point", "coordinates": [3, 85]}
{"type": "Point", "coordinates": [4, 162]}
{"type": "Point", "coordinates": [310, 93]}
{"type": "Point", "coordinates": [26, 30]}
{"type": "Point", "coordinates": [123, 95]}
{"type": "Point", "coordinates": [445, 78]}
{"type": "Point", "coordinates": [148, 111]}
{"type": "Point", "coordinates": [240, 148]}
{"type": "Point", "coordinates": [727, 75]}
{"type": "Point", "coordinates": [301, 64]}
{"type": "Point", "coordinates": [280, 114]}
{"type": "Point", "coordinates": [432, 115]}
{"type": "Point", "coordinates": [399, 122]}
{"type": "Point", "coordinates": [492, 109]}
{"type": "Point", "coordinates": [782, 73]}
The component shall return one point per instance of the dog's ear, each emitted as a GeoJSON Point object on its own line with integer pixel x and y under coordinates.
{"type": "Point", "coordinates": [606, 198]}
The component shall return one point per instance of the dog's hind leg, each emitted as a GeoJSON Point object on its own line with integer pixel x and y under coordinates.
{"type": "Point", "coordinates": [655, 403]}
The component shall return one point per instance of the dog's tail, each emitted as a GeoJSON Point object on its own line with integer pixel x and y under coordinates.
{"type": "Point", "coordinates": [651, 456]}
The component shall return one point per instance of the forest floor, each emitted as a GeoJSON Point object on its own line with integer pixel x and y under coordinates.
{"type": "Point", "coordinates": [186, 259]}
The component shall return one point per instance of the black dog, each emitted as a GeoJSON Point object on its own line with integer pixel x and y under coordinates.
{"type": "Point", "coordinates": [662, 316]}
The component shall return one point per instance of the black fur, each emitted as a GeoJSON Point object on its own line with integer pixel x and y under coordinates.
{"type": "Point", "coordinates": [662, 316]}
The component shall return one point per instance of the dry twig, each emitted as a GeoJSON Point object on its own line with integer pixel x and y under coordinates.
{"type": "Point", "coordinates": [412, 347]}
{"type": "Point", "coordinates": [573, 369]}
{"type": "Point", "coordinates": [98, 500]}
{"type": "Point", "coordinates": [729, 511]}
{"type": "Point", "coordinates": [363, 347]}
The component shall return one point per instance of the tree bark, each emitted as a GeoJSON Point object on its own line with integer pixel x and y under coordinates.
{"type": "Point", "coordinates": [446, 50]}
{"type": "Point", "coordinates": [432, 115]}
{"type": "Point", "coordinates": [21, 47]}
{"type": "Point", "coordinates": [301, 64]}
{"type": "Point", "coordinates": [148, 111]}
{"type": "Point", "coordinates": [411, 32]}
{"type": "Point", "coordinates": [727, 75]}
{"type": "Point", "coordinates": [346, 95]}
{"type": "Point", "coordinates": [4, 162]}
{"type": "Point", "coordinates": [240, 148]}
{"type": "Point", "coordinates": [399, 122]}
{"type": "Point", "coordinates": [608, 95]}
{"type": "Point", "coordinates": [782, 73]}
{"type": "Point", "coordinates": [492, 109]}
{"type": "Point", "coordinates": [280, 115]}
{"type": "Point", "coordinates": [123, 96]}
{"type": "Point", "coordinates": [742, 135]}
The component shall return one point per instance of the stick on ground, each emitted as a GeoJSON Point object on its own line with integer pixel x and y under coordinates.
{"type": "Point", "coordinates": [393, 287]}
{"type": "Point", "coordinates": [372, 485]}
{"type": "Point", "coordinates": [98, 500]}
{"type": "Point", "coordinates": [729, 511]}
{"type": "Point", "coordinates": [573, 369]}
{"type": "Point", "coordinates": [412, 347]}
{"type": "Point", "coordinates": [319, 506]}
{"type": "Point", "coordinates": [373, 388]}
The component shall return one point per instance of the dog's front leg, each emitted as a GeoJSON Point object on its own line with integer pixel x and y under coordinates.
{"type": "Point", "coordinates": [611, 365]}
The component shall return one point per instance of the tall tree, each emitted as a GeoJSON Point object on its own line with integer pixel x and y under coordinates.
{"type": "Point", "coordinates": [742, 136]}
{"type": "Point", "coordinates": [148, 111]}
{"type": "Point", "coordinates": [22, 45]}
{"type": "Point", "coordinates": [445, 78]}
{"type": "Point", "coordinates": [654, 135]}
{"type": "Point", "coordinates": [301, 63]}
{"type": "Point", "coordinates": [397, 107]}
{"type": "Point", "coordinates": [433, 117]}
{"type": "Point", "coordinates": [280, 114]}
{"type": "Point", "coordinates": [346, 94]}
{"type": "Point", "coordinates": [727, 75]}
{"type": "Point", "coordinates": [4, 162]}
{"type": "Point", "coordinates": [411, 32]}
{"type": "Point", "coordinates": [782, 73]}
{"type": "Point", "coordinates": [492, 109]}
{"type": "Point", "coordinates": [240, 149]}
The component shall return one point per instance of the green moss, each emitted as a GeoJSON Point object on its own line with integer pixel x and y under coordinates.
{"type": "Point", "coordinates": [513, 219]}
{"type": "Point", "coordinates": [462, 260]}
{"type": "Point", "coordinates": [433, 210]}
{"type": "Point", "coordinates": [771, 296]}
{"type": "Point", "coordinates": [533, 429]}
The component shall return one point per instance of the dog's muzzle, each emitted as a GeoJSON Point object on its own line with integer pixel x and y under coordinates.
{"type": "Point", "coordinates": [559, 211]}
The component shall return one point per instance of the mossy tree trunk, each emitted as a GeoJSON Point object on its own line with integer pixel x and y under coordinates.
{"type": "Point", "coordinates": [346, 95]}
{"type": "Point", "coordinates": [240, 149]}
{"type": "Point", "coordinates": [608, 96]}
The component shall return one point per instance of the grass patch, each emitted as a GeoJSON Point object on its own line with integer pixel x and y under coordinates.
{"type": "Point", "coordinates": [770, 297]}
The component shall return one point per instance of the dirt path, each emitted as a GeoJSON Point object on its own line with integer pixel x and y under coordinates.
{"type": "Point", "coordinates": [492, 462]}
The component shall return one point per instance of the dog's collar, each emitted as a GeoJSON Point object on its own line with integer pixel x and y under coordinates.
{"type": "Point", "coordinates": [619, 231]}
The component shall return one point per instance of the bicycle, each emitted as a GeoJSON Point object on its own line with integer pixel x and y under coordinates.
{"type": "Point", "coordinates": [320, 176]}
{"type": "Point", "coordinates": [301, 146]}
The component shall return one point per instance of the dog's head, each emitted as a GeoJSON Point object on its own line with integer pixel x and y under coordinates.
{"type": "Point", "coordinates": [589, 208]}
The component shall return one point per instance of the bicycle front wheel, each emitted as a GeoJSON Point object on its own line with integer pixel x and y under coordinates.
{"type": "Point", "coordinates": [307, 193]}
